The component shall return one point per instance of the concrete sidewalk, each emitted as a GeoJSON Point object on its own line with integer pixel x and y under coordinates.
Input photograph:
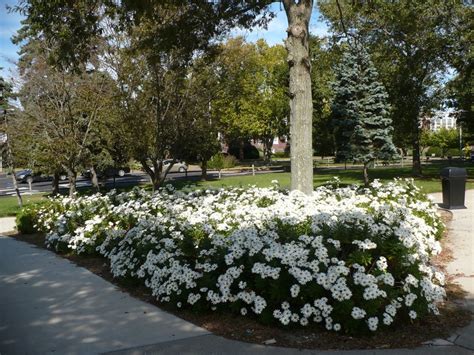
{"type": "Point", "coordinates": [7, 224]}
{"type": "Point", "coordinates": [461, 241]}
{"type": "Point", "coordinates": [49, 305]}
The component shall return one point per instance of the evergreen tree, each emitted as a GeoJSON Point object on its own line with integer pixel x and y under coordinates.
{"type": "Point", "coordinates": [345, 105]}
{"type": "Point", "coordinates": [363, 127]}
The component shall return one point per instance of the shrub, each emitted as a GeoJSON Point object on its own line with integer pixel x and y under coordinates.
{"type": "Point", "coordinates": [26, 219]}
{"type": "Point", "coordinates": [438, 152]}
{"type": "Point", "coordinates": [250, 151]}
{"type": "Point", "coordinates": [229, 161]}
{"type": "Point", "coordinates": [284, 154]}
{"type": "Point", "coordinates": [216, 162]}
{"type": "Point", "coordinates": [220, 161]}
{"type": "Point", "coordinates": [351, 259]}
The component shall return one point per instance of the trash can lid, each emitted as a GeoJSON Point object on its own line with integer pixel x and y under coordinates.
{"type": "Point", "coordinates": [453, 172]}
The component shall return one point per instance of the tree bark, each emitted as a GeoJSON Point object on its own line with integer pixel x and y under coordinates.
{"type": "Point", "coordinates": [17, 190]}
{"type": "Point", "coordinates": [241, 150]}
{"type": "Point", "coordinates": [55, 184]}
{"type": "Point", "coordinates": [72, 175]}
{"type": "Point", "coordinates": [301, 104]}
{"type": "Point", "coordinates": [267, 148]}
{"type": "Point", "coordinates": [416, 169]}
{"type": "Point", "coordinates": [154, 173]}
{"type": "Point", "coordinates": [95, 179]}
{"type": "Point", "coordinates": [12, 166]}
{"type": "Point", "coordinates": [366, 174]}
{"type": "Point", "coordinates": [157, 175]}
{"type": "Point", "coordinates": [204, 170]}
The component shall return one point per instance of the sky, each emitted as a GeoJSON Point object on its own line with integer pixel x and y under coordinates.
{"type": "Point", "coordinates": [9, 24]}
{"type": "Point", "coordinates": [274, 34]}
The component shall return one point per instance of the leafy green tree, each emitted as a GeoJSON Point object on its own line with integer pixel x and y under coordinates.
{"type": "Point", "coordinates": [72, 30]}
{"type": "Point", "coordinates": [217, 163]}
{"type": "Point", "coordinates": [61, 112]}
{"type": "Point", "coordinates": [460, 89]}
{"type": "Point", "coordinates": [445, 139]}
{"type": "Point", "coordinates": [323, 58]}
{"type": "Point", "coordinates": [152, 105]}
{"type": "Point", "coordinates": [361, 111]}
{"type": "Point", "coordinates": [202, 133]}
{"type": "Point", "coordinates": [253, 103]}
{"type": "Point", "coordinates": [6, 151]}
{"type": "Point", "coordinates": [425, 139]}
{"type": "Point", "coordinates": [412, 43]}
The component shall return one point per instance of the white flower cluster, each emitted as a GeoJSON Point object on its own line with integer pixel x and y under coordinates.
{"type": "Point", "coordinates": [284, 255]}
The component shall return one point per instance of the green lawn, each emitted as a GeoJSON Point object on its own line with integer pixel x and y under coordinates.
{"type": "Point", "coordinates": [430, 182]}
{"type": "Point", "coordinates": [9, 205]}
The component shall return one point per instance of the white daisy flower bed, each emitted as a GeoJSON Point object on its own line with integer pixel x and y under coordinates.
{"type": "Point", "coordinates": [348, 258]}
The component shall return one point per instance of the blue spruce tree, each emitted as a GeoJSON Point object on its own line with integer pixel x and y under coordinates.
{"type": "Point", "coordinates": [361, 113]}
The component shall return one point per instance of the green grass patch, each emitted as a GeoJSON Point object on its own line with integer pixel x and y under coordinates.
{"type": "Point", "coordinates": [429, 182]}
{"type": "Point", "coordinates": [9, 204]}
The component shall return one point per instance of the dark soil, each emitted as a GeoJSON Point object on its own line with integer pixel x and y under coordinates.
{"type": "Point", "coordinates": [249, 330]}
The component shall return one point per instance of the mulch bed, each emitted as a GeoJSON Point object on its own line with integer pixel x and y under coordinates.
{"type": "Point", "coordinates": [249, 330]}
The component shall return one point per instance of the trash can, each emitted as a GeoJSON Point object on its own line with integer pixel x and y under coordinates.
{"type": "Point", "coordinates": [453, 181]}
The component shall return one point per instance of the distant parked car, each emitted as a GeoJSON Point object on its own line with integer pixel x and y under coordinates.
{"type": "Point", "coordinates": [108, 172]}
{"type": "Point", "coordinates": [179, 166]}
{"type": "Point", "coordinates": [29, 176]}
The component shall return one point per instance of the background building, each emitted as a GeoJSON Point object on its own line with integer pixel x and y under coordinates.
{"type": "Point", "coordinates": [442, 119]}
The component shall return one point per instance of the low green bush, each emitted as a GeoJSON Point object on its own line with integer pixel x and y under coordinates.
{"type": "Point", "coordinates": [281, 154]}
{"type": "Point", "coordinates": [220, 161]}
{"type": "Point", "coordinates": [230, 161]}
{"type": "Point", "coordinates": [26, 219]}
{"type": "Point", "coordinates": [438, 152]}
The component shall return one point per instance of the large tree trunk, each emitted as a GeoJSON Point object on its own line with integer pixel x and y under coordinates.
{"type": "Point", "coordinates": [301, 104]}
{"type": "Point", "coordinates": [154, 173]}
{"type": "Point", "coordinates": [157, 174]}
{"type": "Point", "coordinates": [55, 184]}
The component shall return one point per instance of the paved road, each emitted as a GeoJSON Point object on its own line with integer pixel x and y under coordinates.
{"type": "Point", "coordinates": [6, 184]}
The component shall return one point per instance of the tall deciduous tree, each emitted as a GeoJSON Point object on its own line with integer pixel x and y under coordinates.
{"type": "Point", "coordinates": [252, 100]}
{"type": "Point", "coordinates": [444, 139]}
{"type": "Point", "coordinates": [71, 28]}
{"type": "Point", "coordinates": [6, 93]}
{"type": "Point", "coordinates": [360, 106]}
{"type": "Point", "coordinates": [411, 42]}
{"type": "Point", "coordinates": [61, 111]}
{"type": "Point", "coordinates": [323, 58]}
